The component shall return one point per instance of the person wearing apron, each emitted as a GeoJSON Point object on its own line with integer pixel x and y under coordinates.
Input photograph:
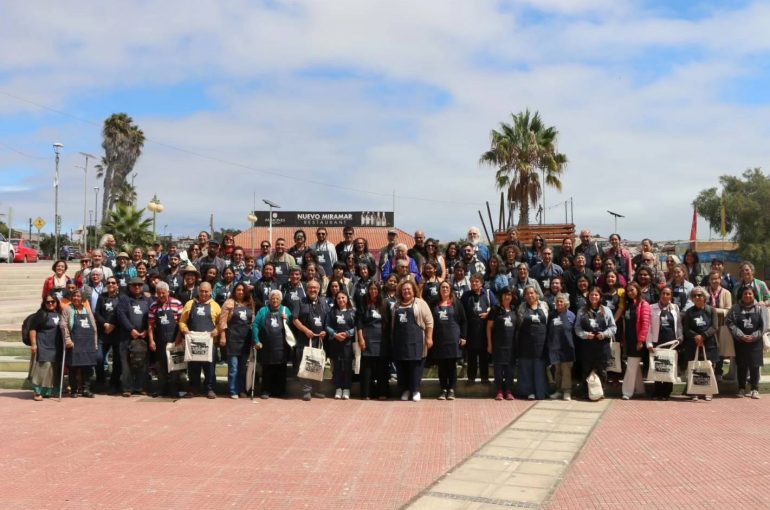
{"type": "Point", "coordinates": [340, 326]}
{"type": "Point", "coordinates": [665, 326]}
{"type": "Point", "coordinates": [532, 322]}
{"type": "Point", "coordinates": [265, 285]}
{"type": "Point", "coordinates": [80, 339]}
{"type": "Point", "coordinates": [361, 286]}
{"type": "Point", "coordinates": [46, 343]}
{"type": "Point", "coordinates": [637, 327]}
{"type": "Point", "coordinates": [700, 324]}
{"type": "Point", "coordinates": [282, 261]}
{"type": "Point", "coordinates": [324, 251]}
{"type": "Point", "coordinates": [411, 335]}
{"type": "Point", "coordinates": [561, 345]}
{"type": "Point", "coordinates": [57, 282]}
{"type": "Point", "coordinates": [269, 330]}
{"type": "Point", "coordinates": [450, 331]}
{"type": "Point", "coordinates": [747, 321]}
{"type": "Point", "coordinates": [501, 336]}
{"type": "Point", "coordinates": [477, 302]}
{"type": "Point", "coordinates": [430, 283]}
{"type": "Point", "coordinates": [594, 325]}
{"type": "Point", "coordinates": [133, 309]}
{"type": "Point", "coordinates": [374, 352]}
{"type": "Point", "coordinates": [236, 322]}
{"type": "Point", "coordinates": [201, 315]}
{"type": "Point", "coordinates": [681, 287]}
{"type": "Point", "coordinates": [163, 329]}
{"type": "Point", "coordinates": [308, 319]}
{"type": "Point", "coordinates": [106, 315]}
{"type": "Point", "coordinates": [223, 289]}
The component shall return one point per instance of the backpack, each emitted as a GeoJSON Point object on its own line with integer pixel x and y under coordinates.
{"type": "Point", "coordinates": [137, 353]}
{"type": "Point", "coordinates": [25, 327]}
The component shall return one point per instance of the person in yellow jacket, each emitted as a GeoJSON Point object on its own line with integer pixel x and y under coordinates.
{"type": "Point", "coordinates": [202, 315]}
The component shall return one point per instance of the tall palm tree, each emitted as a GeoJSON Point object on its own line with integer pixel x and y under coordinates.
{"type": "Point", "coordinates": [122, 141]}
{"type": "Point", "coordinates": [128, 226]}
{"type": "Point", "coordinates": [519, 151]}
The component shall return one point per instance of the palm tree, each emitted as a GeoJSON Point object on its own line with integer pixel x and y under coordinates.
{"type": "Point", "coordinates": [125, 194]}
{"type": "Point", "coordinates": [128, 226]}
{"type": "Point", "coordinates": [519, 151]}
{"type": "Point", "coordinates": [122, 141]}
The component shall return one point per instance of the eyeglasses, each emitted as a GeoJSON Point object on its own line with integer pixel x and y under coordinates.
{"type": "Point", "coordinates": [50, 302]}
{"type": "Point", "coordinates": [112, 283]}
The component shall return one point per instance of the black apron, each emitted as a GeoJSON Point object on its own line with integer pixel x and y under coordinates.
{"type": "Point", "coordinates": [700, 320]}
{"type": "Point", "coordinates": [679, 296]}
{"type": "Point", "coordinates": [239, 331]}
{"type": "Point", "coordinates": [446, 333]}
{"type": "Point", "coordinates": [503, 336]}
{"type": "Point", "coordinates": [108, 309]}
{"type": "Point", "coordinates": [82, 333]}
{"type": "Point", "coordinates": [370, 323]}
{"type": "Point", "coordinates": [630, 318]}
{"type": "Point", "coordinates": [139, 309]}
{"type": "Point", "coordinates": [477, 327]}
{"type": "Point", "coordinates": [166, 328]}
{"type": "Point", "coordinates": [596, 353]}
{"type": "Point", "coordinates": [430, 293]}
{"type": "Point", "coordinates": [324, 260]}
{"type": "Point", "coordinates": [532, 334]}
{"type": "Point", "coordinates": [49, 342]}
{"type": "Point", "coordinates": [200, 318]}
{"type": "Point", "coordinates": [561, 343]}
{"type": "Point", "coordinates": [224, 293]}
{"type": "Point", "coordinates": [175, 282]}
{"type": "Point", "coordinates": [359, 293]}
{"type": "Point", "coordinates": [273, 339]}
{"type": "Point", "coordinates": [339, 321]}
{"type": "Point", "coordinates": [666, 333]}
{"type": "Point", "coordinates": [281, 272]}
{"type": "Point", "coordinates": [749, 321]}
{"type": "Point", "coordinates": [293, 296]}
{"type": "Point", "coordinates": [408, 336]}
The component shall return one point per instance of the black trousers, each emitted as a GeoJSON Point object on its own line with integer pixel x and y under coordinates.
{"type": "Point", "coordinates": [478, 361]}
{"type": "Point", "coordinates": [447, 373]}
{"type": "Point", "coordinates": [753, 376]}
{"type": "Point", "coordinates": [409, 375]}
{"type": "Point", "coordinates": [274, 379]}
{"type": "Point", "coordinates": [375, 374]}
{"type": "Point", "coordinates": [662, 389]}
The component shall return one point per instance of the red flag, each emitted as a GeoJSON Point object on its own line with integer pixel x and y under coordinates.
{"type": "Point", "coordinates": [694, 228]}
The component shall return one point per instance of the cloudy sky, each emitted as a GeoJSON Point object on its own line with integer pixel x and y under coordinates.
{"type": "Point", "coordinates": [337, 105]}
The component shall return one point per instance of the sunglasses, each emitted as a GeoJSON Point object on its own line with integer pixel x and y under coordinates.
{"type": "Point", "coordinates": [50, 302]}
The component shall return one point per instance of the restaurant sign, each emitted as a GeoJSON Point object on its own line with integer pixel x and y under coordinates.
{"type": "Point", "coordinates": [325, 218]}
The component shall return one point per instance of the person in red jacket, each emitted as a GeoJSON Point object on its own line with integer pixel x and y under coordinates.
{"type": "Point", "coordinates": [637, 322]}
{"type": "Point", "coordinates": [57, 282]}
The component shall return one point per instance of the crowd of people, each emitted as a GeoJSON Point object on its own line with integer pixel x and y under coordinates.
{"type": "Point", "coordinates": [544, 316]}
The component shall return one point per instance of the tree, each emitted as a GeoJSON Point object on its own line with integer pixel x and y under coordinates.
{"type": "Point", "coordinates": [519, 151]}
{"type": "Point", "coordinates": [122, 141]}
{"type": "Point", "coordinates": [128, 227]}
{"type": "Point", "coordinates": [746, 200]}
{"type": "Point", "coordinates": [126, 194]}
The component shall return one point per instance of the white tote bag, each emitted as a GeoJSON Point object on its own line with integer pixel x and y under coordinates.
{"type": "Point", "coordinates": [312, 364]}
{"type": "Point", "coordinates": [175, 357]}
{"type": "Point", "coordinates": [614, 364]}
{"type": "Point", "coordinates": [289, 334]}
{"type": "Point", "coordinates": [198, 347]}
{"type": "Point", "coordinates": [663, 363]}
{"type": "Point", "coordinates": [595, 390]}
{"type": "Point", "coordinates": [700, 376]}
{"type": "Point", "coordinates": [356, 358]}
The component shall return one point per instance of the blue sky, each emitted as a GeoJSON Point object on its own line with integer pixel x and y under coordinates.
{"type": "Point", "coordinates": [337, 105]}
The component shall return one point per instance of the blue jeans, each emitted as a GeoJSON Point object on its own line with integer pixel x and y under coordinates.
{"type": "Point", "coordinates": [236, 373]}
{"type": "Point", "coordinates": [194, 369]}
{"type": "Point", "coordinates": [532, 378]}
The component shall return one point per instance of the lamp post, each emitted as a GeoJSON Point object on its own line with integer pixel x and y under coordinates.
{"type": "Point", "coordinates": [85, 198]}
{"type": "Point", "coordinates": [156, 207]}
{"type": "Point", "coordinates": [57, 147]}
{"type": "Point", "coordinates": [96, 213]}
{"type": "Point", "coordinates": [252, 221]}
{"type": "Point", "coordinates": [271, 205]}
{"type": "Point", "coordinates": [616, 216]}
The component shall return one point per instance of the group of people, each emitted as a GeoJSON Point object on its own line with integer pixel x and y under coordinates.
{"type": "Point", "coordinates": [536, 313]}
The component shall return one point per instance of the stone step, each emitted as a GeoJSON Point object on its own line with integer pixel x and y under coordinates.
{"type": "Point", "coordinates": [11, 334]}
{"type": "Point", "coordinates": [13, 349]}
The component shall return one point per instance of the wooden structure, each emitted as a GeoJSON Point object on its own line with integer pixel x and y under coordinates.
{"type": "Point", "coordinates": [553, 233]}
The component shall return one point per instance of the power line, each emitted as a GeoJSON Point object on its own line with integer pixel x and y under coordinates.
{"type": "Point", "coordinates": [20, 153]}
{"type": "Point", "coordinates": [276, 173]}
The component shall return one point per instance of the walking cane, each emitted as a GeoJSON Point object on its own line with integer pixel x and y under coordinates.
{"type": "Point", "coordinates": [253, 364]}
{"type": "Point", "coordinates": [61, 379]}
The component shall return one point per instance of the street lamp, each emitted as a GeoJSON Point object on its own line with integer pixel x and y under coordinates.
{"type": "Point", "coordinates": [85, 198]}
{"type": "Point", "coordinates": [616, 215]}
{"type": "Point", "coordinates": [57, 147]}
{"type": "Point", "coordinates": [156, 207]}
{"type": "Point", "coordinates": [252, 221]}
{"type": "Point", "coordinates": [96, 213]}
{"type": "Point", "coordinates": [271, 205]}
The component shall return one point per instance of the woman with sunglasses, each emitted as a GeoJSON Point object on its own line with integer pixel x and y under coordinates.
{"type": "Point", "coordinates": [700, 323]}
{"type": "Point", "coordinates": [535, 252]}
{"type": "Point", "coordinates": [300, 247]}
{"type": "Point", "coordinates": [433, 255]}
{"type": "Point", "coordinates": [105, 313]}
{"type": "Point", "coordinates": [451, 256]}
{"type": "Point", "coordinates": [80, 340]}
{"type": "Point", "coordinates": [46, 342]}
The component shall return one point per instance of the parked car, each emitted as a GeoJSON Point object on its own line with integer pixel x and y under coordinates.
{"type": "Point", "coordinates": [6, 250]}
{"type": "Point", "coordinates": [68, 253]}
{"type": "Point", "coordinates": [25, 252]}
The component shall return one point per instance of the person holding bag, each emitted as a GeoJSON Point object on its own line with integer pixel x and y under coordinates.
{"type": "Point", "coordinates": [665, 326]}
{"type": "Point", "coordinates": [700, 324]}
{"type": "Point", "coordinates": [309, 317]}
{"type": "Point", "coordinates": [269, 330]}
{"type": "Point", "coordinates": [201, 315]}
{"type": "Point", "coordinates": [747, 322]}
{"type": "Point", "coordinates": [163, 329]}
{"type": "Point", "coordinates": [594, 326]}
{"type": "Point", "coordinates": [637, 328]}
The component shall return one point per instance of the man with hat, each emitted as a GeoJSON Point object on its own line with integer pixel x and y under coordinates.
{"type": "Point", "coordinates": [201, 315]}
{"type": "Point", "coordinates": [123, 272]}
{"type": "Point", "coordinates": [189, 287]}
{"type": "Point", "coordinates": [211, 259]}
{"type": "Point", "coordinates": [133, 310]}
{"type": "Point", "coordinates": [388, 251]}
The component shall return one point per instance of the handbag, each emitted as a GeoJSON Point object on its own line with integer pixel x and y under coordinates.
{"type": "Point", "coordinates": [198, 347]}
{"type": "Point", "coordinates": [595, 390]}
{"type": "Point", "coordinates": [289, 334]}
{"type": "Point", "coordinates": [766, 342]}
{"type": "Point", "coordinates": [356, 358]}
{"type": "Point", "coordinates": [175, 357]}
{"type": "Point", "coordinates": [700, 376]}
{"type": "Point", "coordinates": [664, 362]}
{"type": "Point", "coordinates": [614, 363]}
{"type": "Point", "coordinates": [312, 364]}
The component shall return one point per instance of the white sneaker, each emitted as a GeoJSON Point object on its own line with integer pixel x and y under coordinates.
{"type": "Point", "coordinates": [567, 397]}
{"type": "Point", "coordinates": [338, 394]}
{"type": "Point", "coordinates": [405, 395]}
{"type": "Point", "coordinates": [416, 397]}
{"type": "Point", "coordinates": [235, 397]}
{"type": "Point", "coordinates": [742, 393]}
{"type": "Point", "coordinates": [556, 395]}
{"type": "Point", "coordinates": [531, 396]}
{"type": "Point", "coordinates": [345, 394]}
{"type": "Point", "coordinates": [755, 394]}
{"type": "Point", "coordinates": [625, 397]}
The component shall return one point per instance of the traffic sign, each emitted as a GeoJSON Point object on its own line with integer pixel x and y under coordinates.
{"type": "Point", "coordinates": [39, 223]}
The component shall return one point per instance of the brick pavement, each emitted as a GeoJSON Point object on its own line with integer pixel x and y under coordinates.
{"type": "Point", "coordinates": [112, 452]}
{"type": "Point", "coordinates": [677, 454]}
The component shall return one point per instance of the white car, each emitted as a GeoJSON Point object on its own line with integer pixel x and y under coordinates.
{"type": "Point", "coordinates": [6, 250]}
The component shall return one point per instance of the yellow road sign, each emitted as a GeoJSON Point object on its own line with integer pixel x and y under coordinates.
{"type": "Point", "coordinates": [39, 223]}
